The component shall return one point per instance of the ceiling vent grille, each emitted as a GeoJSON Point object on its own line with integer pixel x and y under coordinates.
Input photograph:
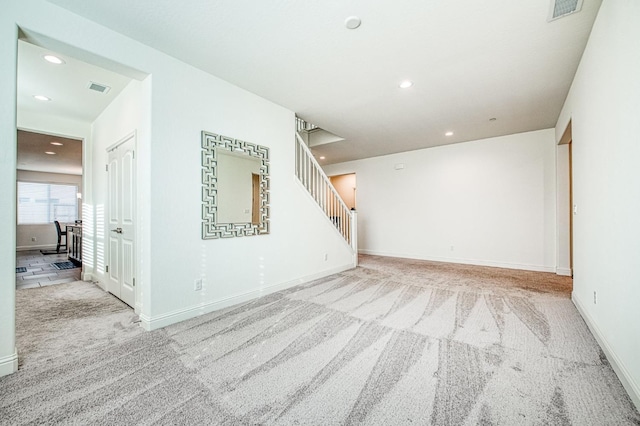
{"type": "Point", "coordinates": [561, 8]}
{"type": "Point", "coordinates": [97, 87]}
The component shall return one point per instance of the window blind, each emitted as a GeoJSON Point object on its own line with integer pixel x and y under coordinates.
{"type": "Point", "coordinates": [41, 203]}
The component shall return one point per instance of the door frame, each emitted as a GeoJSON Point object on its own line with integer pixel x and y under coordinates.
{"type": "Point", "coordinates": [565, 203]}
{"type": "Point", "coordinates": [132, 135]}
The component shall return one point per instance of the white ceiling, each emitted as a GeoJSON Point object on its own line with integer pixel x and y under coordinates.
{"type": "Point", "coordinates": [470, 61]}
{"type": "Point", "coordinates": [67, 87]}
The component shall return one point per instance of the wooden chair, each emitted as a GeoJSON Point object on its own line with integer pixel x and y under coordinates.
{"type": "Point", "coordinates": [61, 234]}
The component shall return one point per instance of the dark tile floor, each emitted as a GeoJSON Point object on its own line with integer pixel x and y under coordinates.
{"type": "Point", "coordinates": [40, 272]}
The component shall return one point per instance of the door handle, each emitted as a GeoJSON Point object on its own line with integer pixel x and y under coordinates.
{"type": "Point", "coordinates": [117, 230]}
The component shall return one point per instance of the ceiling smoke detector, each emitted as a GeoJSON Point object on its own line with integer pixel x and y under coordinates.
{"type": "Point", "coordinates": [97, 87]}
{"type": "Point", "coordinates": [561, 8]}
{"type": "Point", "coordinates": [352, 22]}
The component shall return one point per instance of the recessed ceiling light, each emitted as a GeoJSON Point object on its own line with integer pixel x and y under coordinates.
{"type": "Point", "coordinates": [352, 22]}
{"type": "Point", "coordinates": [50, 152]}
{"type": "Point", "coordinates": [406, 84]}
{"type": "Point", "coordinates": [53, 59]}
{"type": "Point", "coordinates": [322, 158]}
{"type": "Point", "coordinates": [41, 98]}
{"type": "Point", "coordinates": [449, 134]}
{"type": "Point", "coordinates": [56, 143]}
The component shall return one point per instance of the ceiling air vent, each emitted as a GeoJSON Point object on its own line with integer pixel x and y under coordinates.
{"type": "Point", "coordinates": [101, 88]}
{"type": "Point", "coordinates": [561, 8]}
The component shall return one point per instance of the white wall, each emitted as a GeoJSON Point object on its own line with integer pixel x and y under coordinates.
{"type": "Point", "coordinates": [321, 137]}
{"type": "Point", "coordinates": [237, 268]}
{"type": "Point", "coordinates": [8, 153]}
{"type": "Point", "coordinates": [124, 115]}
{"type": "Point", "coordinates": [487, 202]}
{"type": "Point", "coordinates": [45, 234]}
{"type": "Point", "coordinates": [604, 107]}
{"type": "Point", "coordinates": [182, 101]}
{"type": "Point", "coordinates": [53, 125]}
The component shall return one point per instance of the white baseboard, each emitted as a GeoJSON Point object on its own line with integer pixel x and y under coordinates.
{"type": "Point", "coordinates": [97, 278]}
{"type": "Point", "coordinates": [525, 267]}
{"type": "Point", "coordinates": [9, 364]}
{"type": "Point", "coordinates": [564, 272]}
{"type": "Point", "coordinates": [98, 283]}
{"type": "Point", "coordinates": [91, 277]}
{"type": "Point", "coordinates": [163, 320]}
{"type": "Point", "coordinates": [627, 381]}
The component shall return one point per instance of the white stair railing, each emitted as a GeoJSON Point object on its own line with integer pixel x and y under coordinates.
{"type": "Point", "coordinates": [319, 186]}
{"type": "Point", "coordinates": [302, 125]}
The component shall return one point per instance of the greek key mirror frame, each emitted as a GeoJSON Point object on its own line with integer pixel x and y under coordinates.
{"type": "Point", "coordinates": [210, 228]}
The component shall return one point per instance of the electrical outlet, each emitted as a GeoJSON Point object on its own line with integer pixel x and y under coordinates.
{"type": "Point", "coordinates": [326, 256]}
{"type": "Point", "coordinates": [197, 285]}
{"type": "Point", "coordinates": [595, 298]}
{"type": "Point", "coordinates": [451, 248]}
{"type": "Point", "coordinates": [34, 239]}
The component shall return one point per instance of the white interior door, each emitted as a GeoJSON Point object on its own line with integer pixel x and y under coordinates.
{"type": "Point", "coordinates": [121, 221]}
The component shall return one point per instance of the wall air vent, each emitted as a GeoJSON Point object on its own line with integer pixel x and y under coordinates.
{"type": "Point", "coordinates": [101, 88]}
{"type": "Point", "coordinates": [561, 8]}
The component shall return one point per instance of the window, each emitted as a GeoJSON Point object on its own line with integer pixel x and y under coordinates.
{"type": "Point", "coordinates": [40, 203]}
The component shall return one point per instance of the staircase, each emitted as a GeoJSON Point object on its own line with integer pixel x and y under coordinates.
{"type": "Point", "coordinates": [316, 182]}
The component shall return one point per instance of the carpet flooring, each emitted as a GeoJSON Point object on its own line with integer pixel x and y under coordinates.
{"type": "Point", "coordinates": [392, 342]}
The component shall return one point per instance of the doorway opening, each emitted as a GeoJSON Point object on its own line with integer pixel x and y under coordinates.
{"type": "Point", "coordinates": [49, 209]}
{"type": "Point", "coordinates": [255, 198]}
{"type": "Point", "coordinates": [62, 102]}
{"type": "Point", "coordinates": [566, 205]}
{"type": "Point", "coordinates": [346, 186]}
{"type": "Point", "coordinates": [59, 97]}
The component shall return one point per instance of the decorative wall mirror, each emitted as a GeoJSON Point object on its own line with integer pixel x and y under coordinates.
{"type": "Point", "coordinates": [235, 187]}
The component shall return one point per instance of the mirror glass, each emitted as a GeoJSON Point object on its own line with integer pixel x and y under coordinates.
{"type": "Point", "coordinates": [235, 187]}
{"type": "Point", "coordinates": [238, 188]}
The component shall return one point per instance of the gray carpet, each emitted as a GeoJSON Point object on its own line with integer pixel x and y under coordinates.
{"type": "Point", "coordinates": [391, 342]}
